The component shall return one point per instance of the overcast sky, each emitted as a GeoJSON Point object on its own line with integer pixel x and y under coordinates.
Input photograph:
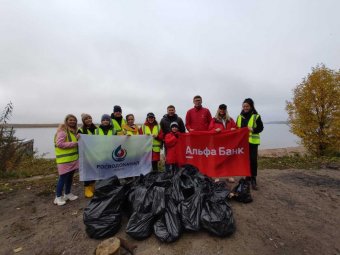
{"type": "Point", "coordinates": [60, 57]}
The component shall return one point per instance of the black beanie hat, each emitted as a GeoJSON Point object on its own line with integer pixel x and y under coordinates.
{"type": "Point", "coordinates": [222, 107]}
{"type": "Point", "coordinates": [117, 108]}
{"type": "Point", "coordinates": [150, 115]}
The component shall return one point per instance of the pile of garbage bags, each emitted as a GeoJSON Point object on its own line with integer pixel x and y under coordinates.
{"type": "Point", "coordinates": [165, 204]}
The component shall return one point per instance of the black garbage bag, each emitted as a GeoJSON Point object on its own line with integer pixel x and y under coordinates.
{"type": "Point", "coordinates": [187, 186]}
{"type": "Point", "coordinates": [191, 178]}
{"type": "Point", "coordinates": [141, 185]}
{"type": "Point", "coordinates": [140, 225]}
{"type": "Point", "coordinates": [105, 188]}
{"type": "Point", "coordinates": [106, 226]}
{"type": "Point", "coordinates": [217, 217]}
{"type": "Point", "coordinates": [150, 179]}
{"type": "Point", "coordinates": [190, 170]}
{"type": "Point", "coordinates": [134, 199]}
{"type": "Point", "coordinates": [167, 175]}
{"type": "Point", "coordinates": [176, 193]}
{"type": "Point", "coordinates": [141, 221]}
{"type": "Point", "coordinates": [168, 227]}
{"type": "Point", "coordinates": [102, 217]}
{"type": "Point", "coordinates": [242, 192]}
{"type": "Point", "coordinates": [220, 191]}
{"type": "Point", "coordinates": [194, 173]}
{"type": "Point", "coordinates": [158, 200]}
{"type": "Point", "coordinates": [186, 181]}
{"type": "Point", "coordinates": [190, 211]}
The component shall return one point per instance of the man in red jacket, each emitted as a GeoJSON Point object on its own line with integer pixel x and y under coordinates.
{"type": "Point", "coordinates": [198, 118]}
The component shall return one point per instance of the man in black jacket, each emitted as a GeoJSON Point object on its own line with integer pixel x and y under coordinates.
{"type": "Point", "coordinates": [171, 116]}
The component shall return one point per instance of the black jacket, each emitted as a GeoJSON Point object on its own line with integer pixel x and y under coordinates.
{"type": "Point", "coordinates": [166, 121]}
{"type": "Point", "coordinates": [245, 120]}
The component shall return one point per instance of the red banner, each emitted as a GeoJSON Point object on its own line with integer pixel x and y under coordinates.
{"type": "Point", "coordinates": [216, 154]}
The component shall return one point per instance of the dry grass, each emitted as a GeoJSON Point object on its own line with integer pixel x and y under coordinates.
{"type": "Point", "coordinates": [31, 166]}
{"type": "Point", "coordinates": [298, 162]}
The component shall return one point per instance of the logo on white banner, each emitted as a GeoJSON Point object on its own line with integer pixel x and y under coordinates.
{"type": "Point", "coordinates": [119, 154]}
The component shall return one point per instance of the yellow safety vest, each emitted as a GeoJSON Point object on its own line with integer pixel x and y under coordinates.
{"type": "Point", "coordinates": [100, 131]}
{"type": "Point", "coordinates": [156, 145]}
{"type": "Point", "coordinates": [66, 155]}
{"type": "Point", "coordinates": [130, 131]}
{"type": "Point", "coordinates": [118, 128]}
{"type": "Point", "coordinates": [88, 131]}
{"type": "Point", "coordinates": [253, 138]}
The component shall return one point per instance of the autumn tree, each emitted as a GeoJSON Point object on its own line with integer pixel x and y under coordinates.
{"type": "Point", "coordinates": [314, 112]}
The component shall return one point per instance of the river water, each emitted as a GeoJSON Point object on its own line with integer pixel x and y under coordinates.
{"type": "Point", "coordinates": [273, 136]}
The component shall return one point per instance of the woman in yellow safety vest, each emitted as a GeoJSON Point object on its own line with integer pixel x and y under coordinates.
{"type": "Point", "coordinates": [151, 127]}
{"type": "Point", "coordinates": [106, 127]}
{"type": "Point", "coordinates": [251, 119]}
{"type": "Point", "coordinates": [88, 128]}
{"type": "Point", "coordinates": [130, 128]}
{"type": "Point", "coordinates": [66, 151]}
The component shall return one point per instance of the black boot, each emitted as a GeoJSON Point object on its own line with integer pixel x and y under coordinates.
{"type": "Point", "coordinates": [253, 183]}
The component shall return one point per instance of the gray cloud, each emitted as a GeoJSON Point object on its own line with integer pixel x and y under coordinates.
{"type": "Point", "coordinates": [82, 56]}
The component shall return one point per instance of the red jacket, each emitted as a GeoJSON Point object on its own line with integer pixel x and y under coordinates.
{"type": "Point", "coordinates": [215, 123]}
{"type": "Point", "coordinates": [170, 141]}
{"type": "Point", "coordinates": [198, 119]}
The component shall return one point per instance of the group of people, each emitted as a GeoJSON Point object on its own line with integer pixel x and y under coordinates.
{"type": "Point", "coordinates": [166, 132]}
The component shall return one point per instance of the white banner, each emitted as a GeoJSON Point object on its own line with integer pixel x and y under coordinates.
{"type": "Point", "coordinates": [101, 157]}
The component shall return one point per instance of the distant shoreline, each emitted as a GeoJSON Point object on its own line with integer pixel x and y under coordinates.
{"type": "Point", "coordinates": [280, 152]}
{"type": "Point", "coordinates": [276, 122]}
{"type": "Point", "coordinates": [55, 125]}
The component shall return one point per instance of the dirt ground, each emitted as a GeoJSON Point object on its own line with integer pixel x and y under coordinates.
{"type": "Point", "coordinates": [293, 212]}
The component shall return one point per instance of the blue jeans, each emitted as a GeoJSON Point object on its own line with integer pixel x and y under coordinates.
{"type": "Point", "coordinates": [65, 180]}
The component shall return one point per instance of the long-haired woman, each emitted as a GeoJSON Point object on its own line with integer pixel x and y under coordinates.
{"type": "Point", "coordinates": [222, 121]}
{"type": "Point", "coordinates": [66, 150]}
{"type": "Point", "coordinates": [252, 120]}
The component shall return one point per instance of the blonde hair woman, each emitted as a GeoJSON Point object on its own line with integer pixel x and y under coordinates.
{"type": "Point", "coordinates": [222, 121]}
{"type": "Point", "coordinates": [66, 150]}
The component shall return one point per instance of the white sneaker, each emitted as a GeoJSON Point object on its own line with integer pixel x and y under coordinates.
{"type": "Point", "coordinates": [59, 201]}
{"type": "Point", "coordinates": [70, 197]}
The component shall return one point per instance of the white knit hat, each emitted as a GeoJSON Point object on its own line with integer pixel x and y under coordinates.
{"type": "Point", "coordinates": [174, 124]}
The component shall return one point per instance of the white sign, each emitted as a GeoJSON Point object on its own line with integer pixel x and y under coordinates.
{"type": "Point", "coordinates": [101, 157]}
